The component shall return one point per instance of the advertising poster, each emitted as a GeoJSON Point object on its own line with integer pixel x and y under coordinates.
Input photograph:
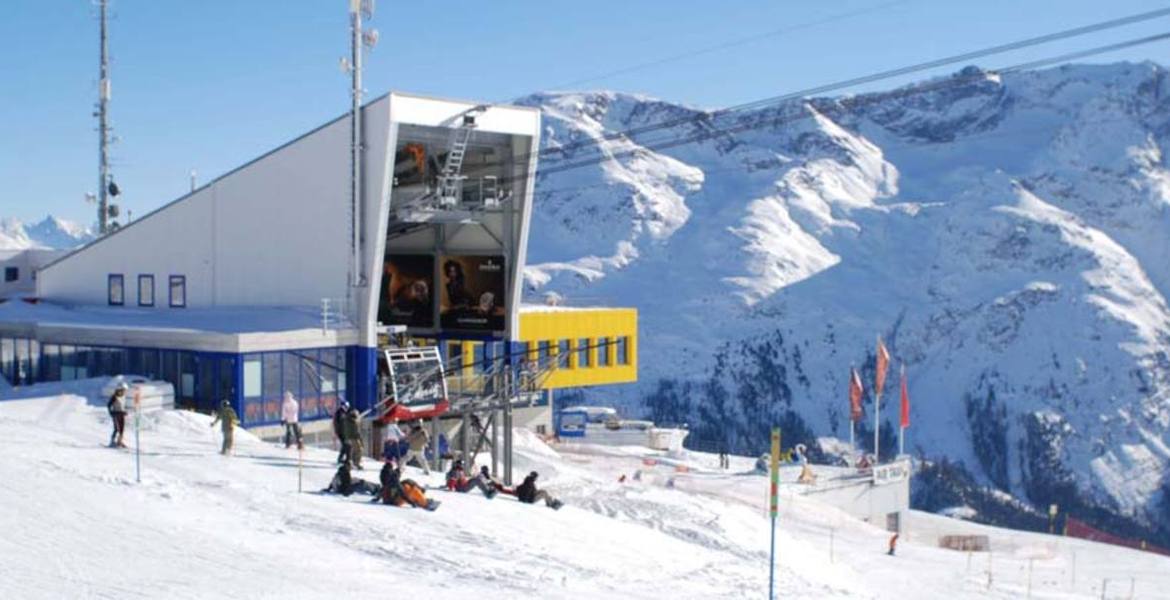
{"type": "Point", "coordinates": [407, 295]}
{"type": "Point", "coordinates": [472, 295]}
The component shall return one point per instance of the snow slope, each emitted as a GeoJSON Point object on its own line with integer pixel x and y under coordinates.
{"type": "Point", "coordinates": [1005, 234]}
{"type": "Point", "coordinates": [200, 526]}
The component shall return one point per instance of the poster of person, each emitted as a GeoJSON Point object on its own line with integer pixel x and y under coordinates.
{"type": "Point", "coordinates": [406, 298]}
{"type": "Point", "coordinates": [472, 295]}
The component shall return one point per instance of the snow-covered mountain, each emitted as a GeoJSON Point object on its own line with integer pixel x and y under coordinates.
{"type": "Point", "coordinates": [49, 232]}
{"type": "Point", "coordinates": [1007, 235]}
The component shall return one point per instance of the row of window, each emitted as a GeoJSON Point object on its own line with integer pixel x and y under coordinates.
{"type": "Point", "coordinates": [317, 377]}
{"type": "Point", "coordinates": [177, 290]}
{"type": "Point", "coordinates": [582, 353]}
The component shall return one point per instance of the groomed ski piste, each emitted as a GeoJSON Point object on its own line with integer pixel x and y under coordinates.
{"type": "Point", "coordinates": [201, 525]}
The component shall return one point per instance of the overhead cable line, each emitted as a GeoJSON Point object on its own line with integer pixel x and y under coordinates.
{"type": "Point", "coordinates": [548, 153]}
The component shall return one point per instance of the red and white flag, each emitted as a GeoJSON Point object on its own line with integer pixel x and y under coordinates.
{"type": "Point", "coordinates": [883, 363]}
{"type": "Point", "coordinates": [855, 394]}
{"type": "Point", "coordinates": [905, 401]}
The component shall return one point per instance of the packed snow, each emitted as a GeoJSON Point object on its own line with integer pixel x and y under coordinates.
{"type": "Point", "coordinates": [199, 525]}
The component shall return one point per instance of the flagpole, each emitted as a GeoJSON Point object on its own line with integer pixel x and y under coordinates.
{"type": "Point", "coordinates": [901, 441]}
{"type": "Point", "coordinates": [877, 411]}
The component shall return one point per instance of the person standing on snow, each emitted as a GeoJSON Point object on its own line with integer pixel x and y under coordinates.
{"type": "Point", "coordinates": [117, 409]}
{"type": "Point", "coordinates": [352, 436]}
{"type": "Point", "coordinates": [391, 447]}
{"type": "Point", "coordinates": [528, 493]}
{"type": "Point", "coordinates": [226, 417]}
{"type": "Point", "coordinates": [418, 440]}
{"type": "Point", "coordinates": [338, 426]}
{"type": "Point", "coordinates": [290, 418]}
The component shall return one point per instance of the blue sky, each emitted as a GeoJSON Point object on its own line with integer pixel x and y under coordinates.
{"type": "Point", "coordinates": [208, 85]}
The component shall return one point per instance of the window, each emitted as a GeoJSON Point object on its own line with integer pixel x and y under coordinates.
{"type": "Point", "coordinates": [11, 274]}
{"type": "Point", "coordinates": [603, 352]}
{"type": "Point", "coordinates": [564, 351]}
{"type": "Point", "coordinates": [622, 347]}
{"type": "Point", "coordinates": [116, 287]}
{"type": "Point", "coordinates": [146, 290]}
{"type": "Point", "coordinates": [584, 353]}
{"type": "Point", "coordinates": [543, 353]}
{"type": "Point", "coordinates": [178, 291]}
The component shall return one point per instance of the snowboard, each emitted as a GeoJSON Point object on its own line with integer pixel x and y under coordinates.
{"type": "Point", "coordinates": [432, 504]}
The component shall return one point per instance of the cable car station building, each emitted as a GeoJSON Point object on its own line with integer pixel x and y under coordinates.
{"type": "Point", "coordinates": [278, 276]}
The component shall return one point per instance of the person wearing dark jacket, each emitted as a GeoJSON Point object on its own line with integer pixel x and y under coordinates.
{"type": "Point", "coordinates": [457, 481]}
{"type": "Point", "coordinates": [117, 409]}
{"type": "Point", "coordinates": [398, 491]}
{"type": "Point", "coordinates": [338, 420]}
{"type": "Point", "coordinates": [343, 483]}
{"type": "Point", "coordinates": [528, 493]}
{"type": "Point", "coordinates": [351, 432]}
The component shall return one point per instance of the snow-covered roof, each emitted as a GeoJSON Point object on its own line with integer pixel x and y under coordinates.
{"type": "Point", "coordinates": [220, 329]}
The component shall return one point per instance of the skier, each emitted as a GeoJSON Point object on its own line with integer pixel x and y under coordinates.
{"type": "Point", "coordinates": [457, 481]}
{"type": "Point", "coordinates": [893, 544]}
{"type": "Point", "coordinates": [226, 416]}
{"type": "Point", "coordinates": [527, 493]}
{"type": "Point", "coordinates": [289, 417]}
{"type": "Point", "coordinates": [352, 436]}
{"type": "Point", "coordinates": [338, 420]}
{"type": "Point", "coordinates": [418, 439]}
{"type": "Point", "coordinates": [117, 409]}
{"type": "Point", "coordinates": [343, 483]}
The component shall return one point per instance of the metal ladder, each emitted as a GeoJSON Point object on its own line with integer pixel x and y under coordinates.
{"type": "Point", "coordinates": [451, 178]}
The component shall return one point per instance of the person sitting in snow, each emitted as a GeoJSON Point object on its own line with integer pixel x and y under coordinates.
{"type": "Point", "coordinates": [398, 491]}
{"type": "Point", "coordinates": [345, 484]}
{"type": "Point", "coordinates": [528, 493]}
{"type": "Point", "coordinates": [117, 409]}
{"type": "Point", "coordinates": [457, 481]}
{"type": "Point", "coordinates": [486, 475]}
{"type": "Point", "coordinates": [226, 416]}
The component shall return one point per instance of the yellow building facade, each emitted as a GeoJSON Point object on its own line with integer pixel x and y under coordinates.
{"type": "Point", "coordinates": [570, 347]}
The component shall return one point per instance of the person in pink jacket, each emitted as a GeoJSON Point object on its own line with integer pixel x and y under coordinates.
{"type": "Point", "coordinates": [289, 417]}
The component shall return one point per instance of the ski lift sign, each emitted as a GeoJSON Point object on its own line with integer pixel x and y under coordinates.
{"type": "Point", "coordinates": [891, 473]}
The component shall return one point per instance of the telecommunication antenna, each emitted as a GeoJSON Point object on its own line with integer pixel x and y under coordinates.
{"type": "Point", "coordinates": [359, 39]}
{"type": "Point", "coordinates": [103, 128]}
{"type": "Point", "coordinates": [106, 186]}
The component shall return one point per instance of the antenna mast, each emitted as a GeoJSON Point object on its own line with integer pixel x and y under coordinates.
{"type": "Point", "coordinates": [103, 130]}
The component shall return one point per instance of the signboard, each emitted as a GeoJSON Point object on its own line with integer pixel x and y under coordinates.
{"type": "Point", "coordinates": [572, 423]}
{"type": "Point", "coordinates": [417, 376]}
{"type": "Point", "coordinates": [891, 473]}
{"type": "Point", "coordinates": [472, 295]}
{"type": "Point", "coordinates": [407, 294]}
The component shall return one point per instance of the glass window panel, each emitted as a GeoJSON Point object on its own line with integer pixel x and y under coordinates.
{"type": "Point", "coordinates": [178, 291]}
{"type": "Point", "coordinates": [623, 350]}
{"type": "Point", "coordinates": [584, 353]}
{"type": "Point", "coordinates": [603, 352]}
{"type": "Point", "coordinates": [253, 376]}
{"type": "Point", "coordinates": [116, 285]}
{"type": "Point", "coordinates": [146, 290]}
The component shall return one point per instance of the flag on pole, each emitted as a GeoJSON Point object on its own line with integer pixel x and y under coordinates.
{"type": "Point", "coordinates": [856, 391]}
{"type": "Point", "coordinates": [883, 363]}
{"type": "Point", "coordinates": [905, 400]}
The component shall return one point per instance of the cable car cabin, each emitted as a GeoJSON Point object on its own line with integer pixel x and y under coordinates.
{"type": "Point", "coordinates": [412, 383]}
